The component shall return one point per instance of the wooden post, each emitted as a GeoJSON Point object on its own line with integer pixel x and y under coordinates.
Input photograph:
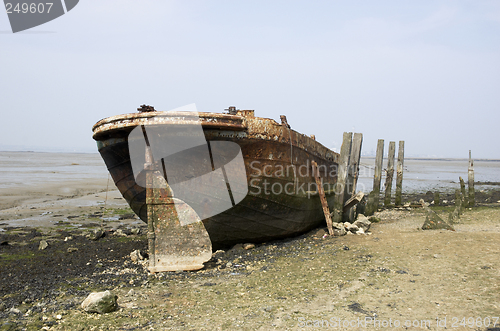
{"type": "Point", "coordinates": [399, 174]}
{"type": "Point", "coordinates": [378, 169]}
{"type": "Point", "coordinates": [437, 200]}
{"type": "Point", "coordinates": [389, 173]}
{"type": "Point", "coordinates": [354, 169]}
{"type": "Point", "coordinates": [465, 200]}
{"type": "Point", "coordinates": [340, 186]}
{"type": "Point", "coordinates": [322, 197]}
{"type": "Point", "coordinates": [471, 181]}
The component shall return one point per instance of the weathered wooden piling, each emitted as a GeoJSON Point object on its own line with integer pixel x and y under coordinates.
{"type": "Point", "coordinates": [324, 203]}
{"type": "Point", "coordinates": [378, 170]}
{"type": "Point", "coordinates": [340, 188]}
{"type": "Point", "coordinates": [354, 169]}
{"type": "Point", "coordinates": [457, 211]}
{"type": "Point", "coordinates": [437, 200]}
{"type": "Point", "coordinates": [389, 173]}
{"type": "Point", "coordinates": [374, 196]}
{"type": "Point", "coordinates": [399, 174]}
{"type": "Point", "coordinates": [465, 199]}
{"type": "Point", "coordinates": [472, 199]}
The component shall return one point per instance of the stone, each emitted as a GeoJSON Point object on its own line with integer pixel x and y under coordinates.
{"type": "Point", "coordinates": [136, 231]}
{"type": "Point", "coordinates": [339, 229]}
{"type": "Point", "coordinates": [363, 223]}
{"type": "Point", "coordinates": [15, 311]}
{"type": "Point", "coordinates": [423, 203]}
{"type": "Point", "coordinates": [360, 231]}
{"type": "Point", "coordinates": [217, 254]}
{"type": "Point", "coordinates": [72, 249]}
{"type": "Point", "coordinates": [119, 232]}
{"type": "Point", "coordinates": [136, 256]}
{"type": "Point", "coordinates": [43, 245]}
{"type": "Point", "coordinates": [371, 204]}
{"type": "Point", "coordinates": [351, 227]}
{"type": "Point", "coordinates": [100, 302]}
{"type": "Point", "coordinates": [248, 246]}
{"type": "Point", "coordinates": [434, 222]}
{"type": "Point", "coordinates": [96, 234]}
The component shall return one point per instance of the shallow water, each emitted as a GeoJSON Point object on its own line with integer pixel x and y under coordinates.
{"type": "Point", "coordinates": [422, 175]}
{"type": "Point", "coordinates": [19, 169]}
{"type": "Point", "coordinates": [30, 169]}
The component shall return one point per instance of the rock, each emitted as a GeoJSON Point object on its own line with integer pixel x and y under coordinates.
{"type": "Point", "coordinates": [248, 246]}
{"type": "Point", "coordinates": [351, 227]}
{"type": "Point", "coordinates": [339, 229]}
{"type": "Point", "coordinates": [68, 238]}
{"type": "Point", "coordinates": [423, 203]}
{"type": "Point", "coordinates": [100, 302]}
{"type": "Point", "coordinates": [72, 249]}
{"type": "Point", "coordinates": [268, 309]}
{"type": "Point", "coordinates": [2, 306]}
{"type": "Point", "coordinates": [136, 256]}
{"type": "Point", "coordinates": [15, 311]}
{"type": "Point", "coordinates": [360, 231]}
{"type": "Point", "coordinates": [363, 223]}
{"type": "Point", "coordinates": [217, 254]}
{"type": "Point", "coordinates": [43, 245]}
{"type": "Point", "coordinates": [319, 233]}
{"type": "Point", "coordinates": [434, 222]}
{"type": "Point", "coordinates": [136, 231]}
{"type": "Point", "coordinates": [235, 249]}
{"type": "Point", "coordinates": [96, 234]}
{"type": "Point", "coordinates": [119, 232]}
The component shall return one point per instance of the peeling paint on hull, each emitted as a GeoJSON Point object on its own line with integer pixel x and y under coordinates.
{"type": "Point", "coordinates": [281, 201]}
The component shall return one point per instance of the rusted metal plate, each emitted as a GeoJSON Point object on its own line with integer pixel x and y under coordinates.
{"type": "Point", "coordinates": [127, 122]}
{"type": "Point", "coordinates": [177, 238]}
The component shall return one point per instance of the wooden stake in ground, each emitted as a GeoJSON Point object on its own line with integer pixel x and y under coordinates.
{"type": "Point", "coordinates": [471, 181]}
{"type": "Point", "coordinates": [378, 171]}
{"type": "Point", "coordinates": [354, 169]}
{"type": "Point", "coordinates": [322, 197]}
{"type": "Point", "coordinates": [340, 187]}
{"type": "Point", "coordinates": [399, 174]}
{"type": "Point", "coordinates": [465, 201]}
{"type": "Point", "coordinates": [389, 173]}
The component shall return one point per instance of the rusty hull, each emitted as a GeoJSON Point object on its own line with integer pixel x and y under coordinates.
{"type": "Point", "coordinates": [267, 147]}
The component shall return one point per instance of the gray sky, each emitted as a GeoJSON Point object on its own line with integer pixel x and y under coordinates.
{"type": "Point", "coordinates": [427, 72]}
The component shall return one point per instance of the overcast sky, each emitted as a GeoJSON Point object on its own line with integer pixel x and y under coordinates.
{"type": "Point", "coordinates": [427, 72]}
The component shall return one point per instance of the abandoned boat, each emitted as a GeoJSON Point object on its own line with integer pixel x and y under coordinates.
{"type": "Point", "coordinates": [261, 186]}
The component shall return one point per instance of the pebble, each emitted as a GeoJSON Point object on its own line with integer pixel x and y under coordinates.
{"type": "Point", "coordinates": [14, 311]}
{"type": "Point", "coordinates": [248, 246]}
{"type": "Point", "coordinates": [43, 245]}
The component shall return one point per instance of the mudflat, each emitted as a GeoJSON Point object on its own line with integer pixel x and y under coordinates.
{"type": "Point", "coordinates": [399, 276]}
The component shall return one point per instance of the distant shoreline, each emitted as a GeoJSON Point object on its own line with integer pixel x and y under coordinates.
{"type": "Point", "coordinates": [362, 157]}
